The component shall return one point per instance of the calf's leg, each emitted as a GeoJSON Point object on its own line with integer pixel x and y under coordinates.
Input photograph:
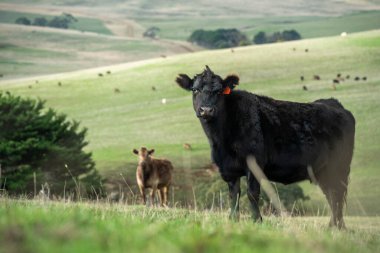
{"type": "Point", "coordinates": [142, 193]}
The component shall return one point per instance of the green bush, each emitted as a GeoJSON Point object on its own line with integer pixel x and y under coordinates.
{"type": "Point", "coordinates": [221, 38]}
{"type": "Point", "coordinates": [35, 140]}
{"type": "Point", "coordinates": [287, 35]}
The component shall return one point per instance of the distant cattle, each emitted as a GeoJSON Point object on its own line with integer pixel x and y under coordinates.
{"type": "Point", "coordinates": [347, 76]}
{"type": "Point", "coordinates": [153, 173]}
{"type": "Point", "coordinates": [153, 88]}
{"type": "Point", "coordinates": [357, 78]}
{"type": "Point", "coordinates": [108, 72]}
{"type": "Point", "coordinates": [100, 74]}
{"type": "Point", "coordinates": [59, 84]}
{"type": "Point", "coordinates": [306, 50]}
{"type": "Point", "coordinates": [304, 87]}
{"type": "Point", "coordinates": [302, 78]}
{"type": "Point", "coordinates": [316, 77]}
{"type": "Point", "coordinates": [336, 81]}
{"type": "Point", "coordinates": [290, 141]}
{"type": "Point", "coordinates": [116, 90]}
{"type": "Point", "coordinates": [364, 78]}
{"type": "Point", "coordinates": [187, 146]}
{"type": "Point", "coordinates": [338, 75]}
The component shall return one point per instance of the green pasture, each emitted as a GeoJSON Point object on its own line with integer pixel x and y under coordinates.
{"type": "Point", "coordinates": [119, 122]}
{"type": "Point", "coordinates": [31, 52]}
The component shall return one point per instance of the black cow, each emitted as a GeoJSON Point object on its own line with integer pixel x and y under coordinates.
{"type": "Point", "coordinates": [290, 141]}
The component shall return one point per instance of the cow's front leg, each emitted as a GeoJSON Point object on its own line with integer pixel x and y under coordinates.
{"type": "Point", "coordinates": [253, 193]}
{"type": "Point", "coordinates": [234, 190]}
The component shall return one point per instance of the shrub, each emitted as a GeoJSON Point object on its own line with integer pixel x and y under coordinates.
{"type": "Point", "coordinates": [38, 140]}
{"type": "Point", "coordinates": [221, 38]}
{"type": "Point", "coordinates": [23, 21]}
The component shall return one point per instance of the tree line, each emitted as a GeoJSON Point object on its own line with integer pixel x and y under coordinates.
{"type": "Point", "coordinates": [62, 21]}
{"type": "Point", "coordinates": [226, 38]}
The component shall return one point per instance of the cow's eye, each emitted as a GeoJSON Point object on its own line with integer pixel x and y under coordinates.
{"type": "Point", "coordinates": [196, 91]}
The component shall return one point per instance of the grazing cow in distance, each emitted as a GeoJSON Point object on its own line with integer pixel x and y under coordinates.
{"type": "Point", "coordinates": [316, 77]}
{"type": "Point", "coordinates": [304, 88]}
{"type": "Point", "coordinates": [336, 81]}
{"type": "Point", "coordinates": [364, 78]}
{"type": "Point", "coordinates": [302, 78]}
{"type": "Point", "coordinates": [290, 141]}
{"type": "Point", "coordinates": [357, 78]}
{"type": "Point", "coordinates": [153, 173]}
{"type": "Point", "coordinates": [347, 76]}
{"type": "Point", "coordinates": [116, 90]}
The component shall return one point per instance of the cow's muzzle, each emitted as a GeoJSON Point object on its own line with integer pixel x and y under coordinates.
{"type": "Point", "coordinates": [206, 112]}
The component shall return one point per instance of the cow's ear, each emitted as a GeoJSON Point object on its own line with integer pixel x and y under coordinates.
{"type": "Point", "coordinates": [185, 82]}
{"type": "Point", "coordinates": [150, 151]}
{"type": "Point", "coordinates": [230, 81]}
{"type": "Point", "coordinates": [135, 151]}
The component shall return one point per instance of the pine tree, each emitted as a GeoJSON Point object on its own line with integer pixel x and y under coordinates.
{"type": "Point", "coordinates": [37, 140]}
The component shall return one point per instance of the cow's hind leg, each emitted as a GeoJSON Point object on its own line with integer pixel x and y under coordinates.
{"type": "Point", "coordinates": [336, 192]}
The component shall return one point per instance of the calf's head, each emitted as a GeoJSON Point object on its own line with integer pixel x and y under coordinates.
{"type": "Point", "coordinates": [144, 154]}
{"type": "Point", "coordinates": [208, 91]}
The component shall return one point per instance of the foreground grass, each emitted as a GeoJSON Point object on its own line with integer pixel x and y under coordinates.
{"type": "Point", "coordinates": [37, 226]}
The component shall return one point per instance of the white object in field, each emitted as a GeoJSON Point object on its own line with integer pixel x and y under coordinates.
{"type": "Point", "coordinates": [163, 101]}
{"type": "Point", "coordinates": [343, 34]}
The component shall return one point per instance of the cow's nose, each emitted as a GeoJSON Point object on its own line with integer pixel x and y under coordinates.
{"type": "Point", "coordinates": [206, 111]}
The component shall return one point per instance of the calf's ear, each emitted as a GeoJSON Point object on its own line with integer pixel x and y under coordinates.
{"type": "Point", "coordinates": [230, 81]}
{"type": "Point", "coordinates": [184, 81]}
{"type": "Point", "coordinates": [150, 151]}
{"type": "Point", "coordinates": [135, 151]}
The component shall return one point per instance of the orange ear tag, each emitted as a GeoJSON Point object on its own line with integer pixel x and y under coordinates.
{"type": "Point", "coordinates": [227, 91]}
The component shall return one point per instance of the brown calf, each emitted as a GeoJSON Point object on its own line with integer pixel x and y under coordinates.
{"type": "Point", "coordinates": [153, 173]}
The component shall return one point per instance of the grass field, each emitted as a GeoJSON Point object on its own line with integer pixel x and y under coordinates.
{"type": "Point", "coordinates": [119, 122]}
{"type": "Point", "coordinates": [37, 226]}
{"type": "Point", "coordinates": [30, 51]}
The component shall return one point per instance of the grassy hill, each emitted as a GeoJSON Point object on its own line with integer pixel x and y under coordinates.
{"type": "Point", "coordinates": [37, 226]}
{"type": "Point", "coordinates": [107, 34]}
{"type": "Point", "coordinates": [119, 122]}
